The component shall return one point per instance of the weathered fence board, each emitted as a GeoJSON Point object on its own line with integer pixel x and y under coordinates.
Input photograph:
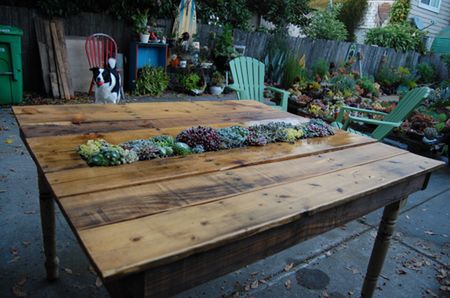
{"type": "Point", "coordinates": [256, 43]}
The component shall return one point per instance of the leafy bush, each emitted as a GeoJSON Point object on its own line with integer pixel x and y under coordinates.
{"type": "Point", "coordinates": [426, 72]}
{"type": "Point", "coordinates": [151, 81]}
{"type": "Point", "coordinates": [351, 14]}
{"type": "Point", "coordinates": [390, 79]}
{"type": "Point", "coordinates": [368, 85]}
{"type": "Point", "coordinates": [325, 25]}
{"type": "Point", "coordinates": [399, 11]}
{"type": "Point", "coordinates": [293, 73]}
{"type": "Point", "coordinates": [281, 12]}
{"type": "Point", "coordinates": [217, 79]}
{"type": "Point", "coordinates": [321, 68]}
{"type": "Point", "coordinates": [344, 84]}
{"type": "Point", "coordinates": [190, 81]}
{"type": "Point", "coordinates": [401, 37]}
{"type": "Point", "coordinates": [232, 12]}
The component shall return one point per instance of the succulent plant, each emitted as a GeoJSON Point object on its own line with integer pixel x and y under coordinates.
{"type": "Point", "coordinates": [290, 135]}
{"type": "Point", "coordinates": [272, 131]}
{"type": "Point", "coordinates": [101, 153]}
{"type": "Point", "coordinates": [163, 141]}
{"type": "Point", "coordinates": [317, 128]}
{"type": "Point", "coordinates": [198, 149]}
{"type": "Point", "coordinates": [255, 139]}
{"type": "Point", "coordinates": [205, 136]}
{"type": "Point", "coordinates": [181, 148]}
{"type": "Point", "coordinates": [145, 149]}
{"type": "Point", "coordinates": [232, 137]}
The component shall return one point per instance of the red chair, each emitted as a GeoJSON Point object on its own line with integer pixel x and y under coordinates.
{"type": "Point", "coordinates": [99, 48]}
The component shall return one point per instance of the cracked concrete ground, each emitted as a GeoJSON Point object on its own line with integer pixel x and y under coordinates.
{"type": "Point", "coordinates": [330, 265]}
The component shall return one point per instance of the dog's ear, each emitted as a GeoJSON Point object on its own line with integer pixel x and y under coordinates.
{"type": "Point", "coordinates": [93, 68]}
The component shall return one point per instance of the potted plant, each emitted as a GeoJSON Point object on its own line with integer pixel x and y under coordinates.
{"type": "Point", "coordinates": [217, 83]}
{"type": "Point", "coordinates": [224, 48]}
{"type": "Point", "coordinates": [192, 83]}
{"type": "Point", "coordinates": [140, 21]}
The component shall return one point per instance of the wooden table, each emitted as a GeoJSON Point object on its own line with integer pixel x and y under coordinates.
{"type": "Point", "coordinates": [161, 226]}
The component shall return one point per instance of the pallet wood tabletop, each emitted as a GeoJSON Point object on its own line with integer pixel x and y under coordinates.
{"type": "Point", "coordinates": [135, 218]}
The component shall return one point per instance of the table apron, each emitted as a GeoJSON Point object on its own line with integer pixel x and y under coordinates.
{"type": "Point", "coordinates": [199, 268]}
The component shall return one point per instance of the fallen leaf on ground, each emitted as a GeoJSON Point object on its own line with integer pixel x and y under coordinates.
{"type": "Point", "coordinates": [287, 284]}
{"type": "Point", "coordinates": [68, 270]}
{"type": "Point", "coordinates": [328, 253]}
{"type": "Point", "coordinates": [430, 233]}
{"type": "Point", "coordinates": [400, 271]}
{"type": "Point", "coordinates": [9, 141]}
{"type": "Point", "coordinates": [325, 294]}
{"type": "Point", "coordinates": [288, 267]}
{"type": "Point", "coordinates": [254, 284]}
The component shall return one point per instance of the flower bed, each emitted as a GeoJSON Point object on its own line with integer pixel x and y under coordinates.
{"type": "Point", "coordinates": [199, 139]}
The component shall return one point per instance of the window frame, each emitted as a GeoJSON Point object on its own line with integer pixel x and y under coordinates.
{"type": "Point", "coordinates": [430, 7]}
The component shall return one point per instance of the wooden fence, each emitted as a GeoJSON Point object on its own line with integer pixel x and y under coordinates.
{"type": "Point", "coordinates": [256, 43]}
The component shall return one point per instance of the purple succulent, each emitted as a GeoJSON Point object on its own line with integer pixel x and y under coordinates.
{"type": "Point", "coordinates": [200, 136]}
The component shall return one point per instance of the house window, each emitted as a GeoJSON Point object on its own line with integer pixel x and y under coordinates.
{"type": "Point", "coordinates": [432, 5]}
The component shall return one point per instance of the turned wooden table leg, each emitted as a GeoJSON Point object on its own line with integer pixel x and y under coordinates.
{"type": "Point", "coordinates": [380, 248]}
{"type": "Point", "coordinates": [47, 209]}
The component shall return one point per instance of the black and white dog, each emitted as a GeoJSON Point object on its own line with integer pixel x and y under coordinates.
{"type": "Point", "coordinates": [108, 83]}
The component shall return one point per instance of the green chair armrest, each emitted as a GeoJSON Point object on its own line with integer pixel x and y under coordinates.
{"type": "Point", "coordinates": [235, 88]}
{"type": "Point", "coordinates": [284, 97]}
{"type": "Point", "coordinates": [353, 109]}
{"type": "Point", "coordinates": [369, 121]}
{"type": "Point", "coordinates": [278, 90]}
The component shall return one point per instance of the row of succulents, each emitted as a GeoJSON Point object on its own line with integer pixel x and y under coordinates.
{"type": "Point", "coordinates": [199, 139]}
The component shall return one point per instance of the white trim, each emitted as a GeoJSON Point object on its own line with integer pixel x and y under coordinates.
{"type": "Point", "coordinates": [430, 7]}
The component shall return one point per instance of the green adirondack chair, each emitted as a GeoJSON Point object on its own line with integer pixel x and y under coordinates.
{"type": "Point", "coordinates": [248, 76]}
{"type": "Point", "coordinates": [406, 105]}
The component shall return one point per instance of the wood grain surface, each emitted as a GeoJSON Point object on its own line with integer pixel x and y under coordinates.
{"type": "Point", "coordinates": [150, 214]}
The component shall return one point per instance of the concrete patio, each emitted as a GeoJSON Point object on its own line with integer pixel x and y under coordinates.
{"type": "Point", "coordinates": [330, 265]}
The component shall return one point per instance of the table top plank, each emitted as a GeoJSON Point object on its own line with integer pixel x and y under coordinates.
{"type": "Point", "coordinates": [138, 244]}
{"type": "Point", "coordinates": [66, 182]}
{"type": "Point", "coordinates": [115, 205]}
{"type": "Point", "coordinates": [47, 121]}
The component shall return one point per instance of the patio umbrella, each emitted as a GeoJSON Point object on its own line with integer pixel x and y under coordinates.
{"type": "Point", "coordinates": [186, 20]}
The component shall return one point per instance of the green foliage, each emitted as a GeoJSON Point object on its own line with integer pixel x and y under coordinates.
{"type": "Point", "coordinates": [399, 12]}
{"type": "Point", "coordinates": [351, 14]}
{"type": "Point", "coordinates": [368, 85]}
{"type": "Point", "coordinates": [446, 59]}
{"type": "Point", "coordinates": [293, 73]}
{"type": "Point", "coordinates": [224, 45]}
{"type": "Point", "coordinates": [401, 37]}
{"type": "Point", "coordinates": [58, 8]}
{"type": "Point", "coordinates": [151, 81]}
{"type": "Point", "coordinates": [321, 68]}
{"type": "Point", "coordinates": [426, 72]}
{"type": "Point", "coordinates": [277, 53]}
{"type": "Point", "coordinates": [390, 79]}
{"type": "Point", "coordinates": [282, 12]}
{"type": "Point", "coordinates": [140, 20]}
{"type": "Point", "coordinates": [190, 81]}
{"type": "Point", "coordinates": [325, 25]}
{"type": "Point", "coordinates": [234, 13]}
{"type": "Point", "coordinates": [344, 84]}
{"type": "Point", "coordinates": [217, 79]}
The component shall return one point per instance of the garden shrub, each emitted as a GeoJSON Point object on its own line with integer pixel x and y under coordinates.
{"type": "Point", "coordinates": [152, 81]}
{"type": "Point", "coordinates": [293, 73]}
{"type": "Point", "coordinates": [344, 84]}
{"type": "Point", "coordinates": [391, 79]}
{"type": "Point", "coordinates": [426, 73]}
{"type": "Point", "coordinates": [321, 68]}
{"type": "Point", "coordinates": [325, 25]}
{"type": "Point", "coordinates": [399, 12]}
{"type": "Point", "coordinates": [368, 85]}
{"type": "Point", "coordinates": [401, 37]}
{"type": "Point", "coordinates": [190, 81]}
{"type": "Point", "coordinates": [351, 14]}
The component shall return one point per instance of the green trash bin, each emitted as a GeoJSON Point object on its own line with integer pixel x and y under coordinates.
{"type": "Point", "coordinates": [11, 83]}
